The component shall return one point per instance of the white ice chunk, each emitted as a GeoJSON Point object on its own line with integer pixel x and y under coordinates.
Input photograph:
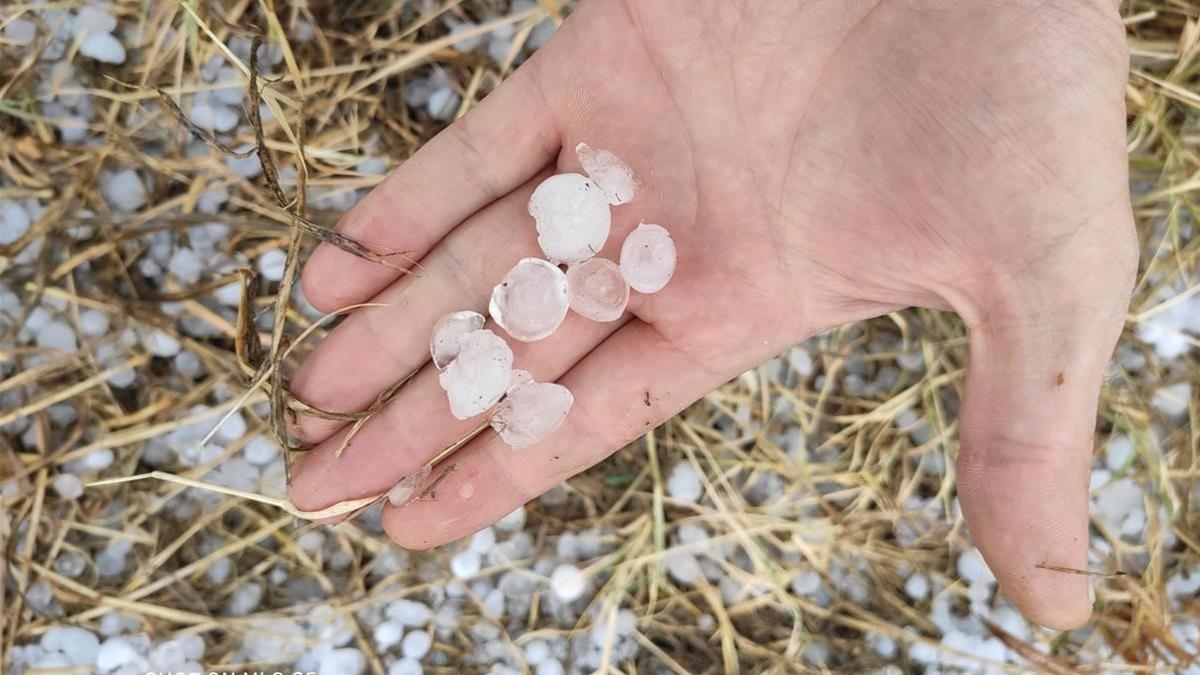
{"type": "Point", "coordinates": [124, 191]}
{"type": "Point", "coordinates": [271, 264]}
{"type": "Point", "coordinates": [14, 221]}
{"type": "Point", "coordinates": [479, 376]}
{"type": "Point", "coordinates": [531, 301]}
{"type": "Point", "coordinates": [443, 103]}
{"type": "Point", "coordinates": [596, 289]}
{"type": "Point", "coordinates": [448, 334]}
{"type": "Point", "coordinates": [520, 377]}
{"type": "Point", "coordinates": [568, 582]}
{"type": "Point", "coordinates": [531, 412]}
{"type": "Point", "coordinates": [95, 19]}
{"type": "Point", "coordinates": [572, 215]}
{"type": "Point", "coordinates": [648, 258]}
{"type": "Point", "coordinates": [103, 48]}
{"type": "Point", "coordinates": [405, 489]}
{"type": "Point", "coordinates": [606, 170]}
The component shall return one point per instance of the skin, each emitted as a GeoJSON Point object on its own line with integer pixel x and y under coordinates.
{"type": "Point", "coordinates": [817, 163]}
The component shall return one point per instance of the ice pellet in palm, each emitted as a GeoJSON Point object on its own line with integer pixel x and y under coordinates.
{"type": "Point", "coordinates": [479, 375]}
{"type": "Point", "coordinates": [448, 334]}
{"type": "Point", "coordinates": [531, 412]}
{"type": "Point", "coordinates": [608, 172]}
{"type": "Point", "coordinates": [596, 289]}
{"type": "Point", "coordinates": [531, 301]}
{"type": "Point", "coordinates": [648, 258]}
{"type": "Point", "coordinates": [572, 216]}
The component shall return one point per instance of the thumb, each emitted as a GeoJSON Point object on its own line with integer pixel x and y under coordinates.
{"type": "Point", "coordinates": [1039, 347]}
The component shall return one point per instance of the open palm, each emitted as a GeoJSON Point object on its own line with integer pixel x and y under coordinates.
{"type": "Point", "coordinates": [817, 162]}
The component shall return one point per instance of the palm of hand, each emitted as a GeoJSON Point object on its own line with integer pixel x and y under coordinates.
{"type": "Point", "coordinates": [816, 164]}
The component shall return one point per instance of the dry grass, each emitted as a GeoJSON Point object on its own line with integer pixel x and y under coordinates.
{"type": "Point", "coordinates": [337, 98]}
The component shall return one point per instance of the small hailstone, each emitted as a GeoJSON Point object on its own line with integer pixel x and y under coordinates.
{"type": "Point", "coordinates": [648, 258]}
{"type": "Point", "coordinates": [596, 289]}
{"type": "Point", "coordinates": [103, 48]}
{"type": "Point", "coordinates": [232, 428]}
{"type": "Point", "coordinates": [916, 587]}
{"type": "Point", "coordinates": [408, 612]}
{"type": "Point", "coordinates": [405, 489]}
{"type": "Point", "coordinates": [443, 103]}
{"type": "Point", "coordinates": [573, 217]}
{"type": "Point", "coordinates": [416, 644]}
{"type": "Point", "coordinates": [114, 653]}
{"type": "Point", "coordinates": [14, 221]}
{"type": "Point", "coordinates": [536, 652]}
{"type": "Point", "coordinates": [568, 582]}
{"type": "Point", "coordinates": [531, 412]}
{"type": "Point", "coordinates": [479, 376]}
{"type": "Point", "coordinates": [95, 20]}
{"type": "Point", "coordinates": [405, 666]}
{"type": "Point", "coordinates": [345, 661]}
{"type": "Point", "coordinates": [493, 602]}
{"type": "Point", "coordinates": [465, 564]}
{"type": "Point", "coordinates": [512, 522]}
{"type": "Point", "coordinates": [58, 336]}
{"type": "Point", "coordinates": [77, 644]}
{"type": "Point", "coordinates": [388, 634]}
{"type": "Point", "coordinates": [124, 191]}
{"type": "Point", "coordinates": [260, 451]}
{"type": "Point", "coordinates": [684, 484]}
{"type": "Point", "coordinates": [162, 344]}
{"type": "Point", "coordinates": [68, 486]}
{"type": "Point", "coordinates": [218, 572]}
{"type": "Point", "coordinates": [213, 117]}
{"type": "Point", "coordinates": [96, 460]}
{"type": "Point", "coordinates": [531, 302]}
{"type": "Point", "coordinates": [245, 598]}
{"type": "Point", "coordinates": [520, 377]}
{"type": "Point", "coordinates": [93, 322]}
{"type": "Point", "coordinates": [683, 567]}
{"type": "Point", "coordinates": [20, 31]}
{"type": "Point", "coordinates": [272, 263]}
{"type": "Point", "coordinates": [973, 569]}
{"type": "Point", "coordinates": [608, 172]}
{"type": "Point", "coordinates": [448, 334]}
{"type": "Point", "coordinates": [186, 266]}
{"type": "Point", "coordinates": [1120, 450]}
{"type": "Point", "coordinates": [483, 540]}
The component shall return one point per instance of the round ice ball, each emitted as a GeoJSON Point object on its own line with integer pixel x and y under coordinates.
{"type": "Point", "coordinates": [572, 216]}
{"type": "Point", "coordinates": [531, 301]}
{"type": "Point", "coordinates": [648, 258]}
{"type": "Point", "coordinates": [596, 289]}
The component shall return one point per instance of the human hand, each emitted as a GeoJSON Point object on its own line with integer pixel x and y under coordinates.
{"type": "Point", "coordinates": [816, 163]}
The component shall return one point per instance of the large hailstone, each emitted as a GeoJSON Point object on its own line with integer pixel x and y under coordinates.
{"type": "Point", "coordinates": [572, 216]}
{"type": "Point", "coordinates": [607, 171]}
{"type": "Point", "coordinates": [648, 258]}
{"type": "Point", "coordinates": [596, 289]}
{"type": "Point", "coordinates": [531, 301]}
{"type": "Point", "coordinates": [448, 334]}
{"type": "Point", "coordinates": [531, 412]}
{"type": "Point", "coordinates": [479, 375]}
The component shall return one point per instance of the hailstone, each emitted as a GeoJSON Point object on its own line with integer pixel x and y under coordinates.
{"type": "Point", "coordinates": [607, 171]}
{"type": "Point", "coordinates": [648, 258]}
{"type": "Point", "coordinates": [479, 376]}
{"type": "Point", "coordinates": [448, 334]}
{"type": "Point", "coordinates": [572, 216]}
{"type": "Point", "coordinates": [531, 301]}
{"type": "Point", "coordinates": [596, 289]}
{"type": "Point", "coordinates": [531, 412]}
